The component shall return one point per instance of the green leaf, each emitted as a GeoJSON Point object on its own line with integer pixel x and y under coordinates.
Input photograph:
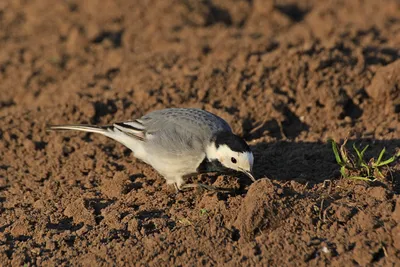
{"type": "Point", "coordinates": [385, 162]}
{"type": "Point", "coordinates": [357, 151]}
{"type": "Point", "coordinates": [360, 155]}
{"type": "Point", "coordinates": [363, 151]}
{"type": "Point", "coordinates": [343, 171]}
{"type": "Point", "coordinates": [380, 156]}
{"type": "Point", "coordinates": [336, 152]}
{"type": "Point", "coordinates": [203, 211]}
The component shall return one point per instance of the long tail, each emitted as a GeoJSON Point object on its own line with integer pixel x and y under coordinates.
{"type": "Point", "coordinates": [104, 130]}
{"type": "Point", "coordinates": [120, 132]}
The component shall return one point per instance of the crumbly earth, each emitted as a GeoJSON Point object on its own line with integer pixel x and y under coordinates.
{"type": "Point", "coordinates": [286, 74]}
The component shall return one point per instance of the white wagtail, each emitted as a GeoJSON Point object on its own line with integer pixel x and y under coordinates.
{"type": "Point", "coordinates": [179, 142]}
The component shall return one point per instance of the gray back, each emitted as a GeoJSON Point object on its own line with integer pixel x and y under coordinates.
{"type": "Point", "coordinates": [181, 129]}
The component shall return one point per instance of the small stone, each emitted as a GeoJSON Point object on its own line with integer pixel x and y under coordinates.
{"type": "Point", "coordinates": [20, 228]}
{"type": "Point", "coordinates": [347, 119]}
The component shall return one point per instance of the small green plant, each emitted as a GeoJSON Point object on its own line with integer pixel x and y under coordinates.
{"type": "Point", "coordinates": [356, 167]}
{"type": "Point", "coordinates": [203, 212]}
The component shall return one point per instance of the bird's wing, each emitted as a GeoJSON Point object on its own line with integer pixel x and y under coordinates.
{"type": "Point", "coordinates": [175, 130]}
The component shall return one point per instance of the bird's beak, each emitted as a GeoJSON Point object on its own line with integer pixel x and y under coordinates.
{"type": "Point", "coordinates": [248, 173]}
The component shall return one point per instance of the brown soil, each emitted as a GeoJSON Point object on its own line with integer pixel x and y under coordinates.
{"type": "Point", "coordinates": [286, 75]}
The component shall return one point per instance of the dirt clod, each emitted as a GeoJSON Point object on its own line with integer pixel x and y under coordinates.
{"type": "Point", "coordinates": [261, 208]}
{"type": "Point", "coordinates": [78, 211]}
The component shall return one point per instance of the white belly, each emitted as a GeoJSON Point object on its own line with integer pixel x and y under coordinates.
{"type": "Point", "coordinates": [169, 165]}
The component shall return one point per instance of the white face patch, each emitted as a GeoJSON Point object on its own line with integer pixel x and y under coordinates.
{"type": "Point", "coordinates": [239, 161]}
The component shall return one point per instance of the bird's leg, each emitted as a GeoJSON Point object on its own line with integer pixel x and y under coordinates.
{"type": "Point", "coordinates": [175, 182]}
{"type": "Point", "coordinates": [176, 187]}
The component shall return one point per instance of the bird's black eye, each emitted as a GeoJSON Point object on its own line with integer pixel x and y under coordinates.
{"type": "Point", "coordinates": [233, 160]}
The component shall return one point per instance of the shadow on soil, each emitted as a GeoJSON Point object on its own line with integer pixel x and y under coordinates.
{"type": "Point", "coordinates": [313, 162]}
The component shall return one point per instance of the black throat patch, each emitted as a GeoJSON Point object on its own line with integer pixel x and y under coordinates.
{"type": "Point", "coordinates": [234, 142]}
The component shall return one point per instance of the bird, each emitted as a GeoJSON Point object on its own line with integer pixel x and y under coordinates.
{"type": "Point", "coordinates": [179, 143]}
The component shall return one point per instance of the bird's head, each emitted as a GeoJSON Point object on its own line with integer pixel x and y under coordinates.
{"type": "Point", "coordinates": [232, 152]}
